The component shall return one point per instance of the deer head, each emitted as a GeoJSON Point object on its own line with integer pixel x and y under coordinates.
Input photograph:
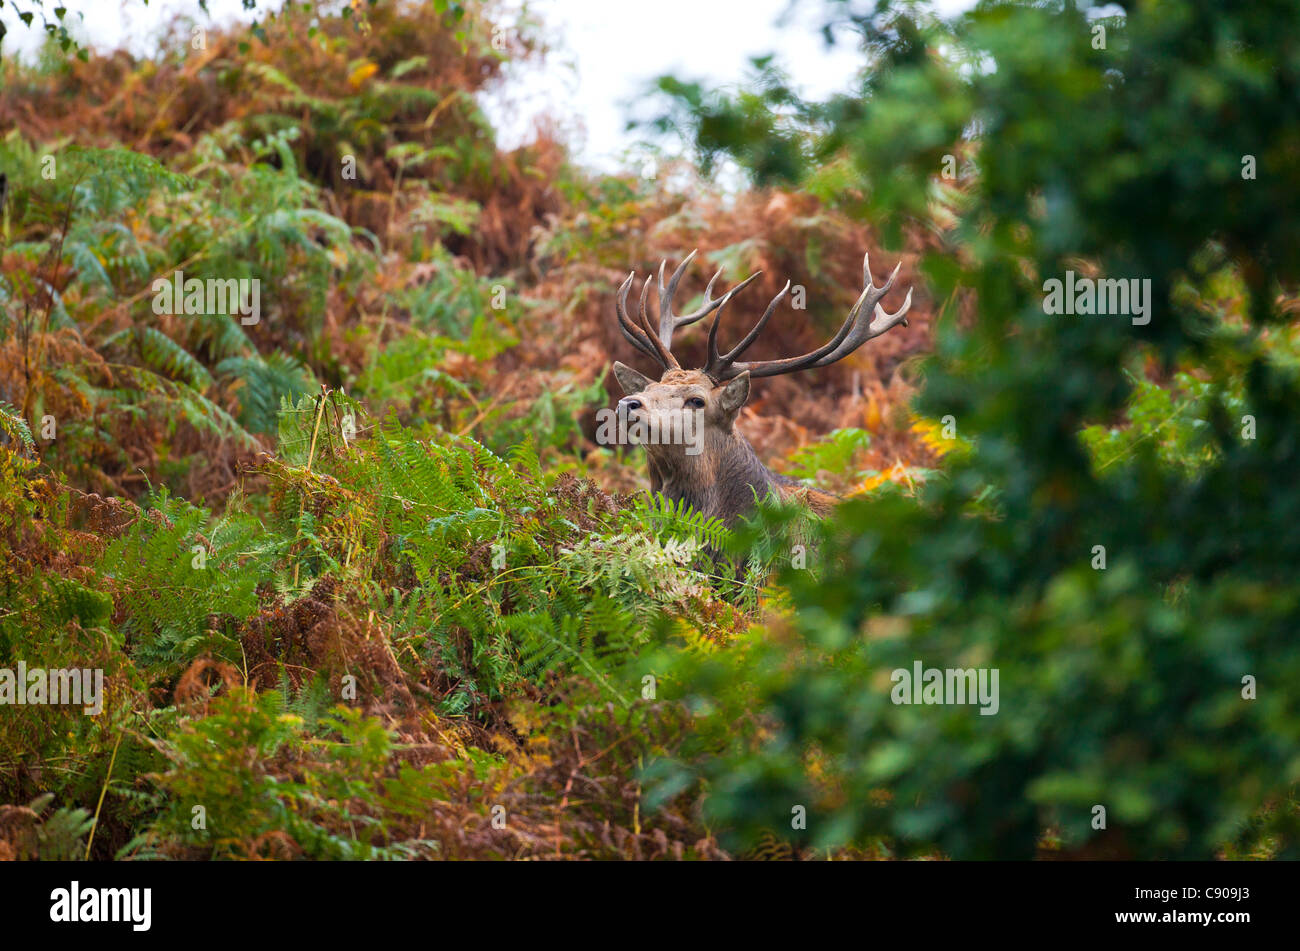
{"type": "Point", "coordinates": [725, 470]}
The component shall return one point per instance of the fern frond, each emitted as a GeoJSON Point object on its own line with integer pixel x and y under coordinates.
{"type": "Point", "coordinates": [15, 427]}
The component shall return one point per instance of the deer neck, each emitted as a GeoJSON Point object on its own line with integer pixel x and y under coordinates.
{"type": "Point", "coordinates": [721, 481]}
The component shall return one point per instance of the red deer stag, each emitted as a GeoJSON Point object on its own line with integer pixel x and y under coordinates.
{"type": "Point", "coordinates": [721, 476]}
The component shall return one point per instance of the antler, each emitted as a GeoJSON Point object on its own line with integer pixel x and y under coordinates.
{"type": "Point", "coordinates": [855, 332]}
{"type": "Point", "coordinates": [659, 344]}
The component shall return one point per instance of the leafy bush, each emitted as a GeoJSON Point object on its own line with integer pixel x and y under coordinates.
{"type": "Point", "coordinates": [1126, 675]}
{"type": "Point", "coordinates": [352, 596]}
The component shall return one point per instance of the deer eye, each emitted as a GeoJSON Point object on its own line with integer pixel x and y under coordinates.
{"type": "Point", "coordinates": [696, 402]}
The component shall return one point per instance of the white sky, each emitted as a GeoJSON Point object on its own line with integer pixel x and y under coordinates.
{"type": "Point", "coordinates": [604, 53]}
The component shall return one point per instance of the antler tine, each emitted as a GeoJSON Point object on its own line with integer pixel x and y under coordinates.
{"type": "Point", "coordinates": [631, 331]}
{"type": "Point", "coordinates": [730, 368]}
{"type": "Point", "coordinates": [730, 356]}
{"type": "Point", "coordinates": [881, 321]}
{"type": "Point", "coordinates": [665, 355]}
{"type": "Point", "coordinates": [853, 334]}
{"type": "Point", "coordinates": [719, 362]}
{"type": "Point", "coordinates": [668, 321]}
{"type": "Point", "coordinates": [724, 366]}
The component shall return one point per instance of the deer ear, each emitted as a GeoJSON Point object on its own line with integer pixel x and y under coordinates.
{"type": "Point", "coordinates": [629, 379]}
{"type": "Point", "coordinates": [734, 394]}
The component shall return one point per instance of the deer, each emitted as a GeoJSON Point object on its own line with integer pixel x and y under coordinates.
{"type": "Point", "coordinates": [723, 477]}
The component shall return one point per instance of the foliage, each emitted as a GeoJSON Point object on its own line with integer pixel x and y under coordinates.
{"type": "Point", "coordinates": [492, 587]}
{"type": "Point", "coordinates": [361, 583]}
{"type": "Point", "coordinates": [834, 453]}
{"type": "Point", "coordinates": [1122, 685]}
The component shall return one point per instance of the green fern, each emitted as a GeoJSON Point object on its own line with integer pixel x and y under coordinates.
{"type": "Point", "coordinates": [180, 579]}
{"type": "Point", "coordinates": [15, 428]}
{"type": "Point", "coordinates": [262, 382]}
{"type": "Point", "coordinates": [665, 518]}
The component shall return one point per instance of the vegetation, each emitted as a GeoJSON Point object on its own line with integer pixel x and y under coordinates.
{"type": "Point", "coordinates": [361, 584]}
